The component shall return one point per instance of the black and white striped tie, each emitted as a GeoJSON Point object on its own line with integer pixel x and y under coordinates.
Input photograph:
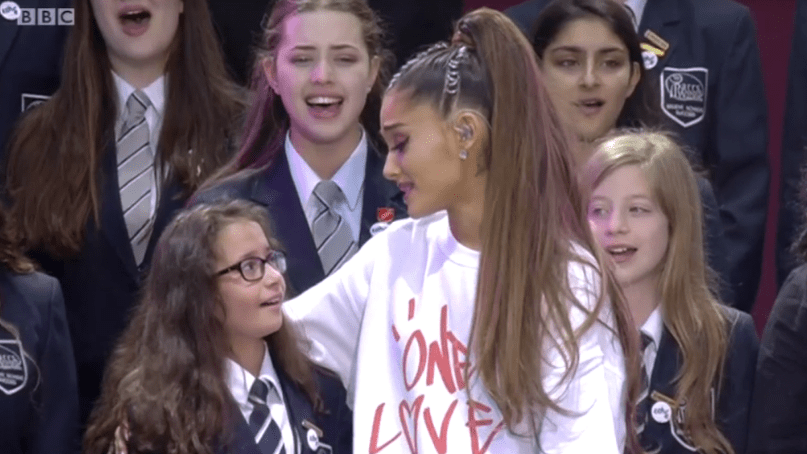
{"type": "Point", "coordinates": [641, 407]}
{"type": "Point", "coordinates": [266, 430]}
{"type": "Point", "coordinates": [331, 232]}
{"type": "Point", "coordinates": [136, 177]}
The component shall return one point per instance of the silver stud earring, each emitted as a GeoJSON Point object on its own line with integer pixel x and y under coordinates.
{"type": "Point", "coordinates": [463, 154]}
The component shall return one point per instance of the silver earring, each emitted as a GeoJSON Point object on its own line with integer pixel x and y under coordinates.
{"type": "Point", "coordinates": [463, 154]}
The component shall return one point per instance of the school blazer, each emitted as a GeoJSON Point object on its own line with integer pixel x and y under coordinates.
{"type": "Point", "coordinates": [713, 97]}
{"type": "Point", "coordinates": [778, 412]}
{"type": "Point", "coordinates": [30, 65]}
{"type": "Point", "coordinates": [794, 142]}
{"type": "Point", "coordinates": [274, 189]}
{"type": "Point", "coordinates": [38, 394]}
{"type": "Point", "coordinates": [333, 432]}
{"type": "Point", "coordinates": [662, 433]}
{"type": "Point", "coordinates": [101, 282]}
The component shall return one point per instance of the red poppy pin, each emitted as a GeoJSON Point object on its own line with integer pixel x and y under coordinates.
{"type": "Point", "coordinates": [385, 214]}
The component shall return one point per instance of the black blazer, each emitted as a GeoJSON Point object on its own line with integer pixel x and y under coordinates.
{"type": "Point", "coordinates": [794, 142]}
{"type": "Point", "coordinates": [30, 66]}
{"type": "Point", "coordinates": [778, 411]}
{"type": "Point", "coordinates": [336, 423]}
{"type": "Point", "coordinates": [274, 189]}
{"type": "Point", "coordinates": [732, 405]}
{"type": "Point", "coordinates": [101, 283]}
{"type": "Point", "coordinates": [38, 394]}
{"type": "Point", "coordinates": [712, 47]}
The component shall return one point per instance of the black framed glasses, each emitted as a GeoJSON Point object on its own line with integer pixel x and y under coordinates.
{"type": "Point", "coordinates": [254, 268]}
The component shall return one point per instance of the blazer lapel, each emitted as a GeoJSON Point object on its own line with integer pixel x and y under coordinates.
{"type": "Point", "coordinates": [243, 440]}
{"type": "Point", "coordinates": [112, 225]}
{"type": "Point", "coordinates": [665, 368]}
{"type": "Point", "coordinates": [378, 193]}
{"type": "Point", "coordinates": [275, 189]}
{"type": "Point", "coordinates": [663, 18]}
{"type": "Point", "coordinates": [299, 409]}
{"type": "Point", "coordinates": [170, 202]}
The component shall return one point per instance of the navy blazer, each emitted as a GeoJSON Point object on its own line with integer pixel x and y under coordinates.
{"type": "Point", "coordinates": [794, 143]}
{"type": "Point", "coordinates": [274, 189]}
{"type": "Point", "coordinates": [101, 283]}
{"type": "Point", "coordinates": [723, 117]}
{"type": "Point", "coordinates": [30, 65]}
{"type": "Point", "coordinates": [778, 411]}
{"type": "Point", "coordinates": [38, 394]}
{"type": "Point", "coordinates": [335, 424]}
{"type": "Point", "coordinates": [732, 405]}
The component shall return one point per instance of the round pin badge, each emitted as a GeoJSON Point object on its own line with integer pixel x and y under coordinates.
{"type": "Point", "coordinates": [661, 412]}
{"type": "Point", "coordinates": [313, 439]}
{"type": "Point", "coordinates": [10, 10]}
{"type": "Point", "coordinates": [650, 59]}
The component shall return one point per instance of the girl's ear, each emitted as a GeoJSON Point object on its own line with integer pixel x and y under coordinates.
{"type": "Point", "coordinates": [375, 67]}
{"type": "Point", "coordinates": [270, 73]}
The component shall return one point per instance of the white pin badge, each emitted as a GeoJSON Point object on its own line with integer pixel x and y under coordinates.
{"type": "Point", "coordinates": [661, 412]}
{"type": "Point", "coordinates": [10, 10]}
{"type": "Point", "coordinates": [649, 59]}
{"type": "Point", "coordinates": [312, 439]}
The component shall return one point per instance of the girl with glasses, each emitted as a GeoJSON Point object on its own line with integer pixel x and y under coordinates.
{"type": "Point", "coordinates": [209, 364]}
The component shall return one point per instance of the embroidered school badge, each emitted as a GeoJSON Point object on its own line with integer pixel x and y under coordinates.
{"type": "Point", "coordinates": [684, 94]}
{"type": "Point", "coordinates": [29, 101]}
{"type": "Point", "coordinates": [13, 370]}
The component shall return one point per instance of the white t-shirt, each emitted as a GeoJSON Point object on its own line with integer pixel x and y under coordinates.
{"type": "Point", "coordinates": [394, 323]}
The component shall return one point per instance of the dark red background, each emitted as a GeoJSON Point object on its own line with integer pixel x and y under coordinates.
{"type": "Point", "coordinates": [774, 20]}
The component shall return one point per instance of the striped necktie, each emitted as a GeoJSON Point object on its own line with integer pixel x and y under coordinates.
{"type": "Point", "coordinates": [641, 408]}
{"type": "Point", "coordinates": [136, 178]}
{"type": "Point", "coordinates": [332, 235]}
{"type": "Point", "coordinates": [266, 430]}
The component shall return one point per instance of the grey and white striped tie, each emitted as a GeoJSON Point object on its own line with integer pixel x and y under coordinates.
{"type": "Point", "coordinates": [267, 432]}
{"type": "Point", "coordinates": [644, 390]}
{"type": "Point", "coordinates": [332, 235]}
{"type": "Point", "coordinates": [136, 178]}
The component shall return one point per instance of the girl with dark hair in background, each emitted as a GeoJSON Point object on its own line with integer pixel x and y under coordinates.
{"type": "Point", "coordinates": [144, 113]}
{"type": "Point", "coordinates": [698, 354]}
{"type": "Point", "coordinates": [310, 151]}
{"type": "Point", "coordinates": [483, 324]}
{"type": "Point", "coordinates": [592, 62]}
{"type": "Point", "coordinates": [38, 393]}
{"type": "Point", "coordinates": [209, 364]}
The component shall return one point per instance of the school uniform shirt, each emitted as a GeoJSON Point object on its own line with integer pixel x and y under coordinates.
{"type": "Point", "coordinates": [663, 432]}
{"type": "Point", "coordinates": [794, 143]}
{"type": "Point", "coordinates": [38, 393]}
{"type": "Point", "coordinates": [778, 411]}
{"type": "Point", "coordinates": [394, 324]}
{"type": "Point", "coordinates": [30, 58]}
{"type": "Point", "coordinates": [240, 381]}
{"type": "Point", "coordinates": [305, 180]}
{"type": "Point", "coordinates": [704, 58]}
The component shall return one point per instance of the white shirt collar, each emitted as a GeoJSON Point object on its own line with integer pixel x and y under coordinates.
{"type": "Point", "coordinates": [240, 381]}
{"type": "Point", "coordinates": [306, 179]}
{"type": "Point", "coordinates": [637, 6]}
{"type": "Point", "coordinates": [654, 325]}
{"type": "Point", "coordinates": [155, 91]}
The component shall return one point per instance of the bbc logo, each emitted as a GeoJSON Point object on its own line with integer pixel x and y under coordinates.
{"type": "Point", "coordinates": [45, 16]}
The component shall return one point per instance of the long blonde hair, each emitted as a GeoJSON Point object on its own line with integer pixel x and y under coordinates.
{"type": "Point", "coordinates": [532, 215]}
{"type": "Point", "coordinates": [690, 309]}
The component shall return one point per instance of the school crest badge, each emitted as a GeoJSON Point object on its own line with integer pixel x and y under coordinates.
{"type": "Point", "coordinates": [30, 100]}
{"type": "Point", "coordinates": [13, 370]}
{"type": "Point", "coordinates": [684, 94]}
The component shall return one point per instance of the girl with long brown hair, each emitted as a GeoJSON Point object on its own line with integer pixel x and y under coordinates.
{"type": "Point", "coordinates": [207, 336]}
{"type": "Point", "coordinates": [699, 356]}
{"type": "Point", "coordinates": [310, 151]}
{"type": "Point", "coordinates": [38, 393]}
{"type": "Point", "coordinates": [144, 113]}
{"type": "Point", "coordinates": [484, 324]}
